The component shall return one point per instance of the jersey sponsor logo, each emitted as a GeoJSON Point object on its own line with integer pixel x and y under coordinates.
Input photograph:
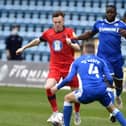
{"type": "Point", "coordinates": [113, 29]}
{"type": "Point", "coordinates": [57, 45]}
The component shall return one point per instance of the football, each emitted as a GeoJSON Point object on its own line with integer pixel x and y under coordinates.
{"type": "Point", "coordinates": [58, 120]}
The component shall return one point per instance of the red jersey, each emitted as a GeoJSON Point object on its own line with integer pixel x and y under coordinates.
{"type": "Point", "coordinates": [61, 54]}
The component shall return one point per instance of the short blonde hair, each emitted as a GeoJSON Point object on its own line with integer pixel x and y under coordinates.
{"type": "Point", "coordinates": [89, 47]}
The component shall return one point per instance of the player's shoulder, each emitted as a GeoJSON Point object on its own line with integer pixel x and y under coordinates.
{"type": "Point", "coordinates": [68, 29]}
{"type": "Point", "coordinates": [78, 59]}
{"type": "Point", "coordinates": [122, 22]}
{"type": "Point", "coordinates": [119, 23]}
{"type": "Point", "coordinates": [48, 31]}
{"type": "Point", "coordinates": [99, 21]}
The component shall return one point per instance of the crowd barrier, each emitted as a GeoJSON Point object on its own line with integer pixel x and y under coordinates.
{"type": "Point", "coordinates": [27, 74]}
{"type": "Point", "coordinates": [21, 73]}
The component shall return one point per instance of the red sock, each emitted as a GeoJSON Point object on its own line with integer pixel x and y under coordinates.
{"type": "Point", "coordinates": [77, 107]}
{"type": "Point", "coordinates": [52, 100]}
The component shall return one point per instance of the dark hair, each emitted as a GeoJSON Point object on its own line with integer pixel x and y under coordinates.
{"type": "Point", "coordinates": [58, 13]}
{"type": "Point", "coordinates": [15, 26]}
{"type": "Point", "coordinates": [111, 5]}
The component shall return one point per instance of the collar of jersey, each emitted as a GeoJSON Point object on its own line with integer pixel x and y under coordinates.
{"type": "Point", "coordinates": [111, 22]}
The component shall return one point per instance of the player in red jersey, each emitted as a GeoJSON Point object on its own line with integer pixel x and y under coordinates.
{"type": "Point", "coordinates": [61, 56]}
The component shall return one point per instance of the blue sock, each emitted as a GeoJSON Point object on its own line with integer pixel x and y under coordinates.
{"type": "Point", "coordinates": [119, 116]}
{"type": "Point", "coordinates": [67, 111]}
{"type": "Point", "coordinates": [118, 91]}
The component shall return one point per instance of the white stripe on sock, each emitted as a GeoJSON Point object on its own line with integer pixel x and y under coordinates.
{"type": "Point", "coordinates": [67, 103]}
{"type": "Point", "coordinates": [115, 112]}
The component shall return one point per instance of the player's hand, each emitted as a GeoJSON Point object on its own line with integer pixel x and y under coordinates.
{"type": "Point", "coordinates": [68, 40]}
{"type": "Point", "coordinates": [122, 32]}
{"type": "Point", "coordinates": [54, 89]}
{"type": "Point", "coordinates": [19, 51]}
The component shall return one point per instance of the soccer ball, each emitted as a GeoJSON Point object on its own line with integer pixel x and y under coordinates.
{"type": "Point", "coordinates": [58, 120]}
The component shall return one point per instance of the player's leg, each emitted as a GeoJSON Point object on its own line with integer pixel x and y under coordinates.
{"type": "Point", "coordinates": [67, 110]}
{"type": "Point", "coordinates": [51, 97]}
{"type": "Point", "coordinates": [118, 80]}
{"type": "Point", "coordinates": [77, 118]}
{"type": "Point", "coordinates": [117, 114]}
{"type": "Point", "coordinates": [53, 78]}
{"type": "Point", "coordinates": [107, 102]}
{"type": "Point", "coordinates": [74, 84]}
{"type": "Point", "coordinates": [111, 91]}
{"type": "Point", "coordinates": [119, 88]}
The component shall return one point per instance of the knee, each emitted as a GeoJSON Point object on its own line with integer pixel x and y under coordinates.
{"type": "Point", "coordinates": [118, 82]}
{"type": "Point", "coordinates": [112, 109]}
{"type": "Point", "coordinates": [66, 98]}
{"type": "Point", "coordinates": [46, 87]}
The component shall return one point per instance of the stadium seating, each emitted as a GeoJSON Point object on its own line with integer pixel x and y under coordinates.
{"type": "Point", "coordinates": [34, 16]}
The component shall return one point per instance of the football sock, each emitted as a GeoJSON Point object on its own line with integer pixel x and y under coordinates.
{"type": "Point", "coordinates": [77, 107]}
{"type": "Point", "coordinates": [52, 100]}
{"type": "Point", "coordinates": [119, 116]}
{"type": "Point", "coordinates": [67, 111]}
{"type": "Point", "coordinates": [118, 91]}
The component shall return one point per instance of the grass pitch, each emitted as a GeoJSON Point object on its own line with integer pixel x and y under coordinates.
{"type": "Point", "coordinates": [29, 107]}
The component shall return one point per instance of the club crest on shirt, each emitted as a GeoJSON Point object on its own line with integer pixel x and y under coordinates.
{"type": "Point", "coordinates": [57, 45]}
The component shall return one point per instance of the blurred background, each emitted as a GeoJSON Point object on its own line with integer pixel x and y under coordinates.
{"type": "Point", "coordinates": [35, 16]}
{"type": "Point", "coordinates": [28, 107]}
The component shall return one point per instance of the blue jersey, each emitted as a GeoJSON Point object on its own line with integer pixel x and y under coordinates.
{"type": "Point", "coordinates": [91, 70]}
{"type": "Point", "coordinates": [109, 38]}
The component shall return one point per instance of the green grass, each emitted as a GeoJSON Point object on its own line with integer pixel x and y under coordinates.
{"type": "Point", "coordinates": [29, 107]}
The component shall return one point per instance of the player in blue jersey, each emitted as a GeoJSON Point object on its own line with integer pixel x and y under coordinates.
{"type": "Point", "coordinates": [110, 32]}
{"type": "Point", "coordinates": [92, 71]}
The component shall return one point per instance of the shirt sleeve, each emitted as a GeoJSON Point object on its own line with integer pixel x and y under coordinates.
{"type": "Point", "coordinates": [43, 36]}
{"type": "Point", "coordinates": [107, 73]}
{"type": "Point", "coordinates": [69, 77]}
{"type": "Point", "coordinates": [124, 25]}
{"type": "Point", "coordinates": [95, 28]}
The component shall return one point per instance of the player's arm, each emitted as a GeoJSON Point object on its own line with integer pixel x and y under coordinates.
{"type": "Point", "coordinates": [86, 35]}
{"type": "Point", "coordinates": [122, 32]}
{"type": "Point", "coordinates": [66, 80]}
{"type": "Point", "coordinates": [34, 42]}
{"type": "Point", "coordinates": [73, 43]}
{"type": "Point", "coordinates": [108, 77]}
{"type": "Point", "coordinates": [89, 34]}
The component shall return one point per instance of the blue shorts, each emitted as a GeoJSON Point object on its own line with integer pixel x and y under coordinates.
{"type": "Point", "coordinates": [89, 95]}
{"type": "Point", "coordinates": [115, 66]}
